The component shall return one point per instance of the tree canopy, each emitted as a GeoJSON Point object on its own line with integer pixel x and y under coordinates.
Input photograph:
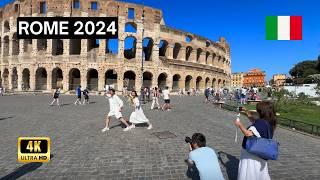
{"type": "Point", "coordinates": [304, 69]}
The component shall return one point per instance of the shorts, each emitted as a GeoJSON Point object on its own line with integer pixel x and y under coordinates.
{"type": "Point", "coordinates": [207, 97]}
{"type": "Point", "coordinates": [118, 114]}
{"type": "Point", "coordinates": [243, 96]}
{"type": "Point", "coordinates": [167, 101]}
{"type": "Point", "coordinates": [79, 97]}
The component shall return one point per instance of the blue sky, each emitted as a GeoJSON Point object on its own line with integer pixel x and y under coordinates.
{"type": "Point", "coordinates": [242, 23]}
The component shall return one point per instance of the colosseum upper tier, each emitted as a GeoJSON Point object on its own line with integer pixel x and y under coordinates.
{"type": "Point", "coordinates": [170, 57]}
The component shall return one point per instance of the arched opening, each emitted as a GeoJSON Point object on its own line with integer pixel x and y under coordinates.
{"type": "Point", "coordinates": [207, 57]}
{"type": "Point", "coordinates": [224, 83]}
{"type": "Point", "coordinates": [130, 44]}
{"type": "Point", "coordinates": [92, 79]}
{"type": "Point", "coordinates": [14, 78]}
{"type": "Point", "coordinates": [213, 59]}
{"type": "Point", "coordinates": [15, 44]}
{"type": "Point", "coordinates": [147, 79]}
{"type": "Point", "coordinates": [41, 79]}
{"type": "Point", "coordinates": [219, 83]}
{"type": "Point", "coordinates": [27, 45]}
{"type": "Point", "coordinates": [189, 50]}
{"type": "Point", "coordinates": [111, 77]}
{"type": "Point", "coordinates": [25, 79]}
{"type": "Point", "coordinates": [175, 82]}
{"type": "Point", "coordinates": [188, 38]}
{"type": "Point", "coordinates": [214, 83]}
{"type": "Point", "coordinates": [147, 49]}
{"type": "Point", "coordinates": [57, 47]}
{"type": "Point", "coordinates": [176, 50]}
{"type": "Point", "coordinates": [207, 82]}
{"type": "Point", "coordinates": [208, 43]}
{"type": "Point", "coordinates": [75, 46]}
{"type": "Point", "coordinates": [6, 46]}
{"type": "Point", "coordinates": [57, 78]}
{"type": "Point", "coordinates": [5, 76]}
{"type": "Point", "coordinates": [129, 80]}
{"type": "Point", "coordinates": [162, 80]}
{"type": "Point", "coordinates": [199, 51]}
{"type": "Point", "coordinates": [163, 45]}
{"type": "Point", "coordinates": [199, 83]}
{"type": "Point", "coordinates": [93, 45]}
{"type": "Point", "coordinates": [130, 27]}
{"type": "Point", "coordinates": [41, 44]}
{"type": "Point", "coordinates": [188, 82]}
{"type": "Point", "coordinates": [6, 27]}
{"type": "Point", "coordinates": [74, 78]}
{"type": "Point", "coordinates": [112, 46]}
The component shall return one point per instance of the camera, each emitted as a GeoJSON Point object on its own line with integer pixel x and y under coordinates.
{"type": "Point", "coordinates": [188, 140]}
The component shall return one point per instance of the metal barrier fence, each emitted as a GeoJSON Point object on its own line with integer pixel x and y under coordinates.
{"type": "Point", "coordinates": [297, 125]}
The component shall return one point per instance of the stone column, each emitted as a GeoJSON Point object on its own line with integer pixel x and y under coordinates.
{"type": "Point", "coordinates": [65, 80]}
{"type": "Point", "coordinates": [10, 78]}
{"type": "Point", "coordinates": [182, 54]}
{"type": "Point", "coordinates": [209, 60]}
{"type": "Point", "coordinates": [34, 47]}
{"type": "Point", "coordinates": [120, 80]}
{"type": "Point", "coordinates": [49, 79]}
{"type": "Point", "coordinates": [121, 49]}
{"type": "Point", "coordinates": [20, 78]}
{"type": "Point", "coordinates": [169, 52]}
{"type": "Point", "coordinates": [202, 59]}
{"type": "Point", "coordinates": [182, 83]}
{"type": "Point", "coordinates": [101, 80]}
{"type": "Point", "coordinates": [32, 78]}
{"type": "Point", "coordinates": [83, 78]}
{"type": "Point", "coordinates": [193, 56]}
{"type": "Point", "coordinates": [169, 82]}
{"type": "Point", "coordinates": [66, 47]}
{"type": "Point", "coordinates": [102, 47]}
{"type": "Point", "coordinates": [49, 47]}
{"type": "Point", "coordinates": [10, 45]}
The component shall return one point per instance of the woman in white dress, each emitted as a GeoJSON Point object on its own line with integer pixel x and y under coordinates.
{"type": "Point", "coordinates": [137, 116]}
{"type": "Point", "coordinates": [252, 167]}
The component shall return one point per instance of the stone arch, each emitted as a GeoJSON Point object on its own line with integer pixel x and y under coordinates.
{"type": "Point", "coordinates": [176, 50]}
{"type": "Point", "coordinates": [162, 80]}
{"type": "Point", "coordinates": [207, 82]}
{"type": "Point", "coordinates": [219, 83]}
{"type": "Point", "coordinates": [147, 79]}
{"type": "Point", "coordinates": [189, 50]}
{"type": "Point", "coordinates": [189, 38]}
{"type": "Point", "coordinates": [224, 83]}
{"type": "Point", "coordinates": [25, 79]}
{"type": "Point", "coordinates": [163, 46]}
{"type": "Point", "coordinates": [111, 78]}
{"type": "Point", "coordinates": [147, 48]}
{"type": "Point", "coordinates": [74, 78]}
{"type": "Point", "coordinates": [42, 44]}
{"type": "Point", "coordinates": [208, 43]}
{"type": "Point", "coordinates": [6, 46]}
{"type": "Point", "coordinates": [41, 79]}
{"type": "Point", "coordinates": [214, 81]}
{"type": "Point", "coordinates": [130, 45]}
{"type": "Point", "coordinates": [57, 47]}
{"type": "Point", "coordinates": [15, 44]}
{"type": "Point", "coordinates": [14, 78]}
{"type": "Point", "coordinates": [27, 45]}
{"type": "Point", "coordinates": [207, 57]}
{"type": "Point", "coordinates": [199, 51]}
{"type": "Point", "coordinates": [92, 79]}
{"type": "Point", "coordinates": [57, 78]}
{"type": "Point", "coordinates": [176, 82]}
{"type": "Point", "coordinates": [214, 55]}
{"type": "Point", "coordinates": [199, 83]}
{"type": "Point", "coordinates": [75, 46]}
{"type": "Point", "coordinates": [5, 76]}
{"type": "Point", "coordinates": [129, 80]}
{"type": "Point", "coordinates": [6, 27]}
{"type": "Point", "coordinates": [130, 27]}
{"type": "Point", "coordinates": [188, 82]}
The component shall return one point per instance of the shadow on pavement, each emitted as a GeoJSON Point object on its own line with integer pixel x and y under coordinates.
{"type": "Point", "coordinates": [25, 169]}
{"type": "Point", "coordinates": [4, 118]}
{"type": "Point", "coordinates": [231, 164]}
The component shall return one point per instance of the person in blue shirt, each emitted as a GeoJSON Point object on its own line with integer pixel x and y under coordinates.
{"type": "Point", "coordinates": [78, 93]}
{"type": "Point", "coordinates": [204, 159]}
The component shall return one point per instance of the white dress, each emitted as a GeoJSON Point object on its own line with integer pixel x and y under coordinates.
{"type": "Point", "coordinates": [252, 167]}
{"type": "Point", "coordinates": [137, 116]}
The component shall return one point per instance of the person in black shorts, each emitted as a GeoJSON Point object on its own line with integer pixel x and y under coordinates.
{"type": "Point", "coordinates": [86, 96]}
{"type": "Point", "coordinates": [56, 95]}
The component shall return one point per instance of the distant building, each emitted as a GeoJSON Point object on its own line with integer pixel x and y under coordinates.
{"type": "Point", "coordinates": [237, 80]}
{"type": "Point", "coordinates": [279, 80]}
{"type": "Point", "coordinates": [254, 78]}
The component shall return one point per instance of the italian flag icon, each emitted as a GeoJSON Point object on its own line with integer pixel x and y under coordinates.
{"type": "Point", "coordinates": [284, 28]}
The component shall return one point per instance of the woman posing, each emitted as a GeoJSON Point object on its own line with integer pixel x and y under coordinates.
{"type": "Point", "coordinates": [251, 166]}
{"type": "Point", "coordinates": [137, 116]}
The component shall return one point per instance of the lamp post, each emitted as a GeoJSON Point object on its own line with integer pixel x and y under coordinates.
{"type": "Point", "coordinates": [142, 55]}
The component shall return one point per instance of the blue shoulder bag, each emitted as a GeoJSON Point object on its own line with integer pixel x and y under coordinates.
{"type": "Point", "coordinates": [265, 148]}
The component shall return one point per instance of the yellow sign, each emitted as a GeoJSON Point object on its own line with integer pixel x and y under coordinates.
{"type": "Point", "coordinates": [33, 149]}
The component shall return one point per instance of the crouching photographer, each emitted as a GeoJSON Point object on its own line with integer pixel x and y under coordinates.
{"type": "Point", "coordinates": [202, 160]}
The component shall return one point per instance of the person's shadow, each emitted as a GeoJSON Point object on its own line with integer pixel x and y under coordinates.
{"type": "Point", "coordinates": [25, 169]}
{"type": "Point", "coordinates": [231, 164]}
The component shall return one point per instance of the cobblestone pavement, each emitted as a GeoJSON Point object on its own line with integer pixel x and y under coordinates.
{"type": "Point", "coordinates": [81, 151]}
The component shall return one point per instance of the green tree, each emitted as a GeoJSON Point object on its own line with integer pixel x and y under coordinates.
{"type": "Point", "coordinates": [304, 69]}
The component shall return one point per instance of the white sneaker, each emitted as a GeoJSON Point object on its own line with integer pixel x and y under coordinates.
{"type": "Point", "coordinates": [127, 129]}
{"type": "Point", "coordinates": [150, 127]}
{"type": "Point", "coordinates": [105, 129]}
{"type": "Point", "coordinates": [132, 126]}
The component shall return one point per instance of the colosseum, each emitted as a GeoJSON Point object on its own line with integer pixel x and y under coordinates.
{"type": "Point", "coordinates": [170, 57]}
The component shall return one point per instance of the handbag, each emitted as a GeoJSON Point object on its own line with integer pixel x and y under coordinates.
{"type": "Point", "coordinates": [265, 148]}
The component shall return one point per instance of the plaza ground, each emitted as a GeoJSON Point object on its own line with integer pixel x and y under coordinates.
{"type": "Point", "coordinates": [81, 151]}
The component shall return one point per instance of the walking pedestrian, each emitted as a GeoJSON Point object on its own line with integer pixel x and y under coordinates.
{"type": "Point", "coordinates": [56, 95]}
{"type": "Point", "coordinates": [207, 94]}
{"type": "Point", "coordinates": [137, 116]}
{"type": "Point", "coordinates": [86, 96]}
{"type": "Point", "coordinates": [116, 106]}
{"type": "Point", "coordinates": [155, 98]}
{"type": "Point", "coordinates": [78, 93]}
{"type": "Point", "coordinates": [166, 98]}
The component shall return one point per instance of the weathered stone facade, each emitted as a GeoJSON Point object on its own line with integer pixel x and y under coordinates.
{"type": "Point", "coordinates": [171, 57]}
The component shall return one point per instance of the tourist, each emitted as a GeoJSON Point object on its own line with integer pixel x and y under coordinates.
{"type": "Point", "coordinates": [116, 105]}
{"type": "Point", "coordinates": [125, 91]}
{"type": "Point", "coordinates": [243, 95]}
{"type": "Point", "coordinates": [78, 93]}
{"type": "Point", "coordinates": [204, 159]}
{"type": "Point", "coordinates": [86, 96]}
{"type": "Point", "coordinates": [148, 94]}
{"type": "Point", "coordinates": [1, 92]}
{"type": "Point", "coordinates": [251, 166]}
{"type": "Point", "coordinates": [56, 95]}
{"type": "Point", "coordinates": [207, 94]}
{"type": "Point", "coordinates": [166, 98]}
{"type": "Point", "coordinates": [137, 116]}
{"type": "Point", "coordinates": [155, 98]}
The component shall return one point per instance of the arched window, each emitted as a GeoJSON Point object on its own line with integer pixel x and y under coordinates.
{"type": "Point", "coordinates": [130, 44]}
{"type": "Point", "coordinates": [131, 27]}
{"type": "Point", "coordinates": [147, 49]}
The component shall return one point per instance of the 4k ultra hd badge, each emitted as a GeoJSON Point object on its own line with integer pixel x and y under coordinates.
{"type": "Point", "coordinates": [33, 149]}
